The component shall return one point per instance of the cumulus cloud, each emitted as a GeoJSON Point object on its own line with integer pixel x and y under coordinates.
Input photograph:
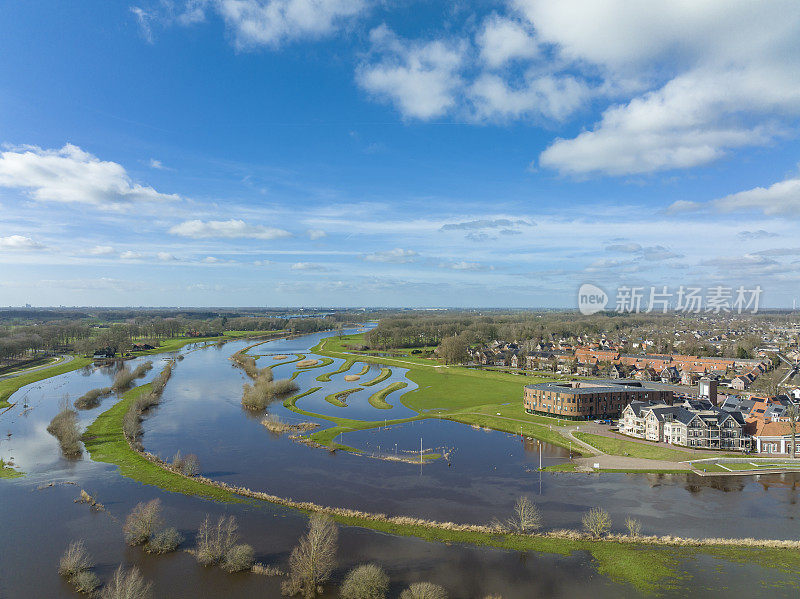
{"type": "Point", "coordinates": [130, 255]}
{"type": "Point", "coordinates": [782, 198]}
{"type": "Point", "coordinates": [705, 80]}
{"type": "Point", "coordinates": [502, 40]}
{"type": "Point", "coordinates": [19, 243]}
{"type": "Point", "coordinates": [276, 22]}
{"type": "Point", "coordinates": [72, 176]}
{"type": "Point", "coordinates": [166, 257]}
{"type": "Point", "coordinates": [419, 78]}
{"type": "Point", "coordinates": [397, 255]}
{"type": "Point", "coordinates": [547, 96]}
{"type": "Point", "coordinates": [226, 229]}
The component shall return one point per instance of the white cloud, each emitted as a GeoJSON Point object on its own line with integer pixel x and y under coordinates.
{"type": "Point", "coordinates": [782, 198]}
{"type": "Point", "coordinates": [463, 265]}
{"type": "Point", "coordinates": [683, 206]}
{"type": "Point", "coordinates": [548, 96]}
{"type": "Point", "coordinates": [157, 164]}
{"type": "Point", "coordinates": [70, 175]}
{"type": "Point", "coordinates": [502, 40]}
{"type": "Point", "coordinates": [226, 229]}
{"type": "Point", "coordinates": [628, 248]}
{"type": "Point", "coordinates": [101, 250]}
{"type": "Point", "coordinates": [19, 243]}
{"type": "Point", "coordinates": [211, 260]}
{"type": "Point", "coordinates": [310, 266]}
{"type": "Point", "coordinates": [166, 257]}
{"type": "Point", "coordinates": [143, 18]}
{"type": "Point", "coordinates": [315, 234]}
{"type": "Point", "coordinates": [419, 78]}
{"type": "Point", "coordinates": [276, 22]}
{"type": "Point", "coordinates": [130, 255]}
{"type": "Point", "coordinates": [713, 76]}
{"type": "Point", "coordinates": [397, 256]}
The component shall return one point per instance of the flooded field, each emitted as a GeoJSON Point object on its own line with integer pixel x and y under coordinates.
{"type": "Point", "coordinates": [480, 478]}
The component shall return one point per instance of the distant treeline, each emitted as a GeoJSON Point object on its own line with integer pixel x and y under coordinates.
{"type": "Point", "coordinates": [24, 341]}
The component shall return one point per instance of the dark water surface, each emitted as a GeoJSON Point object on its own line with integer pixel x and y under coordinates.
{"type": "Point", "coordinates": [484, 474]}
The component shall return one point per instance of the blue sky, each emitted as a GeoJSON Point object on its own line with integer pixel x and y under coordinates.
{"type": "Point", "coordinates": [395, 153]}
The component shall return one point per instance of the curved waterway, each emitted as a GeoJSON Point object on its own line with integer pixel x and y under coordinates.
{"type": "Point", "coordinates": [485, 472]}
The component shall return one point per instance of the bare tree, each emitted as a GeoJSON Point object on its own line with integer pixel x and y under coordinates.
{"type": "Point", "coordinates": [597, 522]}
{"type": "Point", "coordinates": [634, 527]}
{"type": "Point", "coordinates": [527, 517]}
{"type": "Point", "coordinates": [127, 585]}
{"type": "Point", "coordinates": [313, 559]}
{"type": "Point", "coordinates": [142, 523]}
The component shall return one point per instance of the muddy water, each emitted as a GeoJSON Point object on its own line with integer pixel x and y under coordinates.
{"type": "Point", "coordinates": [486, 471]}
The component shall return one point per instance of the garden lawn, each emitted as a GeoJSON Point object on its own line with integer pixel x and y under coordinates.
{"type": "Point", "coordinates": [633, 449]}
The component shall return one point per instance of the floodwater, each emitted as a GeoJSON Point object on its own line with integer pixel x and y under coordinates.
{"type": "Point", "coordinates": [482, 476]}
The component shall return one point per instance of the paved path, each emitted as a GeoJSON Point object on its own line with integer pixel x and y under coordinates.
{"type": "Point", "coordinates": [62, 359]}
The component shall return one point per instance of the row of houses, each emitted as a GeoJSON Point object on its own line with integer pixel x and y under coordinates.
{"type": "Point", "coordinates": [695, 424]}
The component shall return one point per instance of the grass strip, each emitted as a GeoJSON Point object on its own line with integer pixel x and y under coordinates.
{"type": "Point", "coordinates": [364, 369]}
{"type": "Point", "coordinates": [384, 374]}
{"type": "Point", "coordinates": [338, 398]}
{"type": "Point", "coordinates": [326, 377]}
{"type": "Point", "coordinates": [378, 400]}
{"type": "Point", "coordinates": [9, 472]}
{"type": "Point", "coordinates": [9, 386]}
{"type": "Point", "coordinates": [106, 443]}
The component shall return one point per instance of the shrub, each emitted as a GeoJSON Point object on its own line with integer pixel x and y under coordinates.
{"type": "Point", "coordinates": [214, 541]}
{"type": "Point", "coordinates": [365, 582]}
{"type": "Point", "coordinates": [164, 541]}
{"type": "Point", "coordinates": [64, 427]}
{"type": "Point", "coordinates": [424, 590]}
{"type": "Point", "coordinates": [142, 522]}
{"type": "Point", "coordinates": [313, 559]}
{"type": "Point", "coordinates": [127, 585]}
{"type": "Point", "coordinates": [597, 522]}
{"type": "Point", "coordinates": [238, 558]}
{"type": "Point", "coordinates": [75, 559]}
{"type": "Point", "coordinates": [85, 582]}
{"type": "Point", "coordinates": [142, 369]}
{"type": "Point", "coordinates": [123, 379]}
{"type": "Point", "coordinates": [131, 424]}
{"type": "Point", "coordinates": [284, 386]}
{"type": "Point", "coordinates": [91, 399]}
{"type": "Point", "coordinates": [634, 526]}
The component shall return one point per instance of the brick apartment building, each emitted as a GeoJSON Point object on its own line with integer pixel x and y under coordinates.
{"type": "Point", "coordinates": [584, 400]}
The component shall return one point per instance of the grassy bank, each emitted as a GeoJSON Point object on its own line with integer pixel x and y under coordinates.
{"type": "Point", "coordinates": [9, 386]}
{"type": "Point", "coordinates": [384, 374]}
{"type": "Point", "coordinates": [378, 400]}
{"type": "Point", "coordinates": [106, 443]}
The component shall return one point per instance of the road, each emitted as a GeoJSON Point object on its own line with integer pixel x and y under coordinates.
{"type": "Point", "coordinates": [62, 359]}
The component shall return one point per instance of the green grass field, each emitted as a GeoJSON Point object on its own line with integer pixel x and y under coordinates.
{"type": "Point", "coordinates": [633, 449]}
